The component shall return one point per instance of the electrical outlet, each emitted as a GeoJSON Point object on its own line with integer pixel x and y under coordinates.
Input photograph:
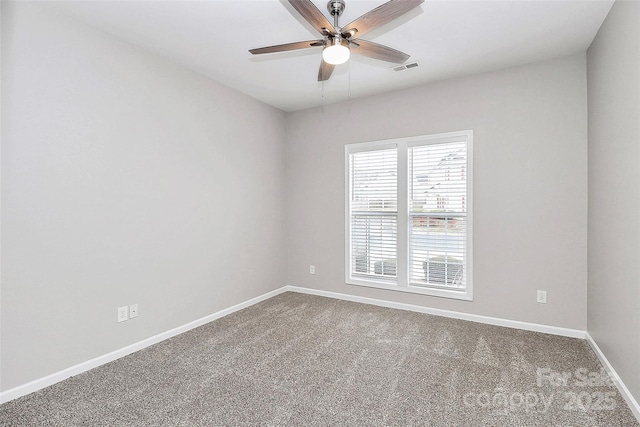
{"type": "Point", "coordinates": [312, 269]}
{"type": "Point", "coordinates": [133, 311]}
{"type": "Point", "coordinates": [542, 297]}
{"type": "Point", "coordinates": [123, 314]}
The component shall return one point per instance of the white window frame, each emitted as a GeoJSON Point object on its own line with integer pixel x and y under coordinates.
{"type": "Point", "coordinates": [401, 282]}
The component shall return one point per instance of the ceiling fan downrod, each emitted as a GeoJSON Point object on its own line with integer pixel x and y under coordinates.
{"type": "Point", "coordinates": [335, 8]}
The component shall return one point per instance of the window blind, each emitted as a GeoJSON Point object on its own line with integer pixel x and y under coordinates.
{"type": "Point", "coordinates": [437, 214]}
{"type": "Point", "coordinates": [374, 212]}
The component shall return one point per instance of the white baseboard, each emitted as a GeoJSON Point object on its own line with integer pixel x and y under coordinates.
{"type": "Point", "coordinates": [624, 391]}
{"type": "Point", "coordinates": [554, 330]}
{"type": "Point", "coordinates": [56, 377]}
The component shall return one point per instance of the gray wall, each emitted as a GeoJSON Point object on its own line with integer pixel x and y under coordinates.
{"type": "Point", "coordinates": [614, 191]}
{"type": "Point", "coordinates": [125, 179]}
{"type": "Point", "coordinates": [530, 186]}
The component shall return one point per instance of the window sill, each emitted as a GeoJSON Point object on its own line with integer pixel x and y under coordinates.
{"type": "Point", "coordinates": [442, 293]}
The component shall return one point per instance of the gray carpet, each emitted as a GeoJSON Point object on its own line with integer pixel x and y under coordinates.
{"type": "Point", "coordinates": [305, 360]}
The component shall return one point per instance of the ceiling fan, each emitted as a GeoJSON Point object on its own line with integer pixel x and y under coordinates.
{"type": "Point", "coordinates": [339, 42]}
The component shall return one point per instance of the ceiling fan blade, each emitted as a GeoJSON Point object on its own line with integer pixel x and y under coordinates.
{"type": "Point", "coordinates": [287, 46]}
{"type": "Point", "coordinates": [378, 51]}
{"type": "Point", "coordinates": [379, 16]}
{"type": "Point", "coordinates": [325, 71]}
{"type": "Point", "coordinates": [312, 15]}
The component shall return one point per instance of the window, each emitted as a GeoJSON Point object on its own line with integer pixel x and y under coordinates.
{"type": "Point", "coordinates": [408, 214]}
{"type": "Point", "coordinates": [374, 212]}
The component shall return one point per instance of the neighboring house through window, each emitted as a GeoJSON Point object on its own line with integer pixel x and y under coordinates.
{"type": "Point", "coordinates": [409, 214]}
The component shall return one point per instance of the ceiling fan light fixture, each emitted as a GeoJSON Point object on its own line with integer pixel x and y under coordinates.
{"type": "Point", "coordinates": [336, 52]}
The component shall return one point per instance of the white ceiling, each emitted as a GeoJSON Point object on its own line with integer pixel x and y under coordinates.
{"type": "Point", "coordinates": [447, 38]}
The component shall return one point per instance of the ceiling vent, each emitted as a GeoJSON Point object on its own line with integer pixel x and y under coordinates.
{"type": "Point", "coordinates": [406, 66]}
